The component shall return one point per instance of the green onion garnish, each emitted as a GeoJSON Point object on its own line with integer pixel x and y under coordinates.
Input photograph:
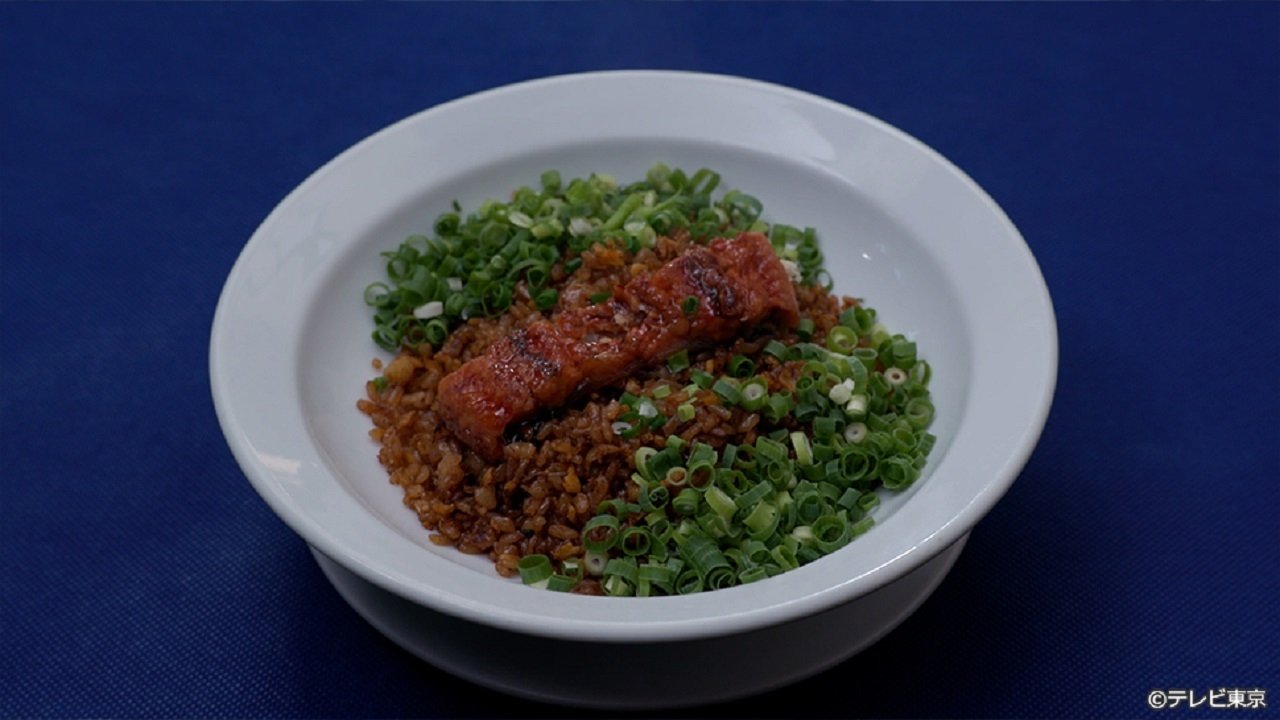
{"type": "Point", "coordinates": [741, 366]}
{"type": "Point", "coordinates": [546, 299]}
{"type": "Point", "coordinates": [600, 533]}
{"type": "Point", "coordinates": [842, 340]}
{"type": "Point", "coordinates": [755, 393]}
{"type": "Point", "coordinates": [689, 305]}
{"type": "Point", "coordinates": [534, 569]}
{"type": "Point", "coordinates": [728, 391]}
{"type": "Point", "coordinates": [562, 583]}
{"type": "Point", "coordinates": [776, 349]}
{"type": "Point", "coordinates": [702, 379]}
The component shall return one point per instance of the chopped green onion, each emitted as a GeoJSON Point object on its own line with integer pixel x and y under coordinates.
{"type": "Point", "coordinates": [678, 362]}
{"type": "Point", "coordinates": [824, 428]}
{"type": "Point", "coordinates": [895, 375]}
{"type": "Point", "coordinates": [861, 527]}
{"type": "Point", "coordinates": [806, 410]}
{"type": "Point", "coordinates": [689, 581]}
{"type": "Point", "coordinates": [594, 562]}
{"type": "Point", "coordinates": [785, 557]}
{"type": "Point", "coordinates": [841, 394]}
{"type": "Point", "coordinates": [919, 412]}
{"type": "Point", "coordinates": [659, 463]}
{"type": "Point", "coordinates": [868, 501]}
{"type": "Point", "coordinates": [629, 205]}
{"type": "Point", "coordinates": [633, 431]}
{"type": "Point", "coordinates": [657, 497]}
{"type": "Point", "coordinates": [685, 412]}
{"type": "Point", "coordinates": [804, 454]}
{"type": "Point", "coordinates": [686, 503]}
{"type": "Point", "coordinates": [925, 443]}
{"type": "Point", "coordinates": [867, 356]}
{"type": "Point", "coordinates": [636, 540]}
{"type": "Point", "coordinates": [617, 586]}
{"type": "Point", "coordinates": [904, 354]}
{"type": "Point", "coordinates": [775, 349]}
{"type": "Point", "coordinates": [377, 293]}
{"type": "Point", "coordinates": [615, 506]}
{"type": "Point", "coordinates": [701, 553]}
{"type": "Point", "coordinates": [701, 473]}
{"type": "Point", "coordinates": [856, 407]}
{"type": "Point", "coordinates": [546, 299]}
{"type": "Point", "coordinates": [600, 533]}
{"type": "Point", "coordinates": [903, 439]}
{"type": "Point", "coordinates": [625, 568]}
{"type": "Point", "coordinates": [561, 583]}
{"type": "Point", "coordinates": [778, 407]}
{"type": "Point", "coordinates": [804, 328]}
{"type": "Point", "coordinates": [754, 495]}
{"type": "Point", "coordinates": [676, 477]}
{"type": "Point", "coordinates": [830, 532]}
{"type": "Point", "coordinates": [897, 473]}
{"type": "Point", "coordinates": [741, 366]}
{"type": "Point", "coordinates": [641, 458]}
{"type": "Point", "coordinates": [689, 305]}
{"type": "Point", "coordinates": [803, 534]}
{"type": "Point", "coordinates": [656, 573]}
{"type": "Point", "coordinates": [879, 333]}
{"type": "Point", "coordinates": [855, 432]}
{"type": "Point", "coordinates": [754, 394]}
{"type": "Point", "coordinates": [702, 379]}
{"type": "Point", "coordinates": [661, 391]}
{"type": "Point", "coordinates": [728, 391]}
{"type": "Point", "coordinates": [780, 472]}
{"type": "Point", "coordinates": [842, 339]}
{"type": "Point", "coordinates": [720, 502]}
{"type": "Point", "coordinates": [849, 500]}
{"type": "Point", "coordinates": [599, 297]}
{"type": "Point", "coordinates": [770, 450]}
{"type": "Point", "coordinates": [550, 181]}
{"type": "Point", "coordinates": [572, 567]}
{"type": "Point", "coordinates": [921, 372]}
{"type": "Point", "coordinates": [534, 569]}
{"type": "Point", "coordinates": [728, 455]}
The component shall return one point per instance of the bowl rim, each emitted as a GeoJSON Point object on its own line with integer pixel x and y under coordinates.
{"type": "Point", "coordinates": [623, 628]}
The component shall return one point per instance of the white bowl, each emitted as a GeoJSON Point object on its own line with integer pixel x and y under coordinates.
{"type": "Point", "coordinates": [901, 227]}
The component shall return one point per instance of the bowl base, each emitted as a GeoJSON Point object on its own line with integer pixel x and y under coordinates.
{"type": "Point", "coordinates": [638, 676]}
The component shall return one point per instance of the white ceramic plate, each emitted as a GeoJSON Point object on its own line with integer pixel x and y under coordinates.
{"type": "Point", "coordinates": [655, 674]}
{"type": "Point", "coordinates": [901, 227]}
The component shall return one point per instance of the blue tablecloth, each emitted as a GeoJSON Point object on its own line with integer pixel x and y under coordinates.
{"type": "Point", "coordinates": [1137, 147]}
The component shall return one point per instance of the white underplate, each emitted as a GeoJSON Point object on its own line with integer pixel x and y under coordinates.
{"type": "Point", "coordinates": [901, 227]}
{"type": "Point", "coordinates": [657, 675]}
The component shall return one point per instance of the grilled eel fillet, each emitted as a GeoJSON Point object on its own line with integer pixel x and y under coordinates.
{"type": "Point", "coordinates": [738, 282]}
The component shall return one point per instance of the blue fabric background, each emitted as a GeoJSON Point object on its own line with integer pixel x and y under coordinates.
{"type": "Point", "coordinates": [1137, 147]}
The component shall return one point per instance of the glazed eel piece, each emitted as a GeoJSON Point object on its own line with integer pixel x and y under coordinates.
{"type": "Point", "coordinates": [738, 283]}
